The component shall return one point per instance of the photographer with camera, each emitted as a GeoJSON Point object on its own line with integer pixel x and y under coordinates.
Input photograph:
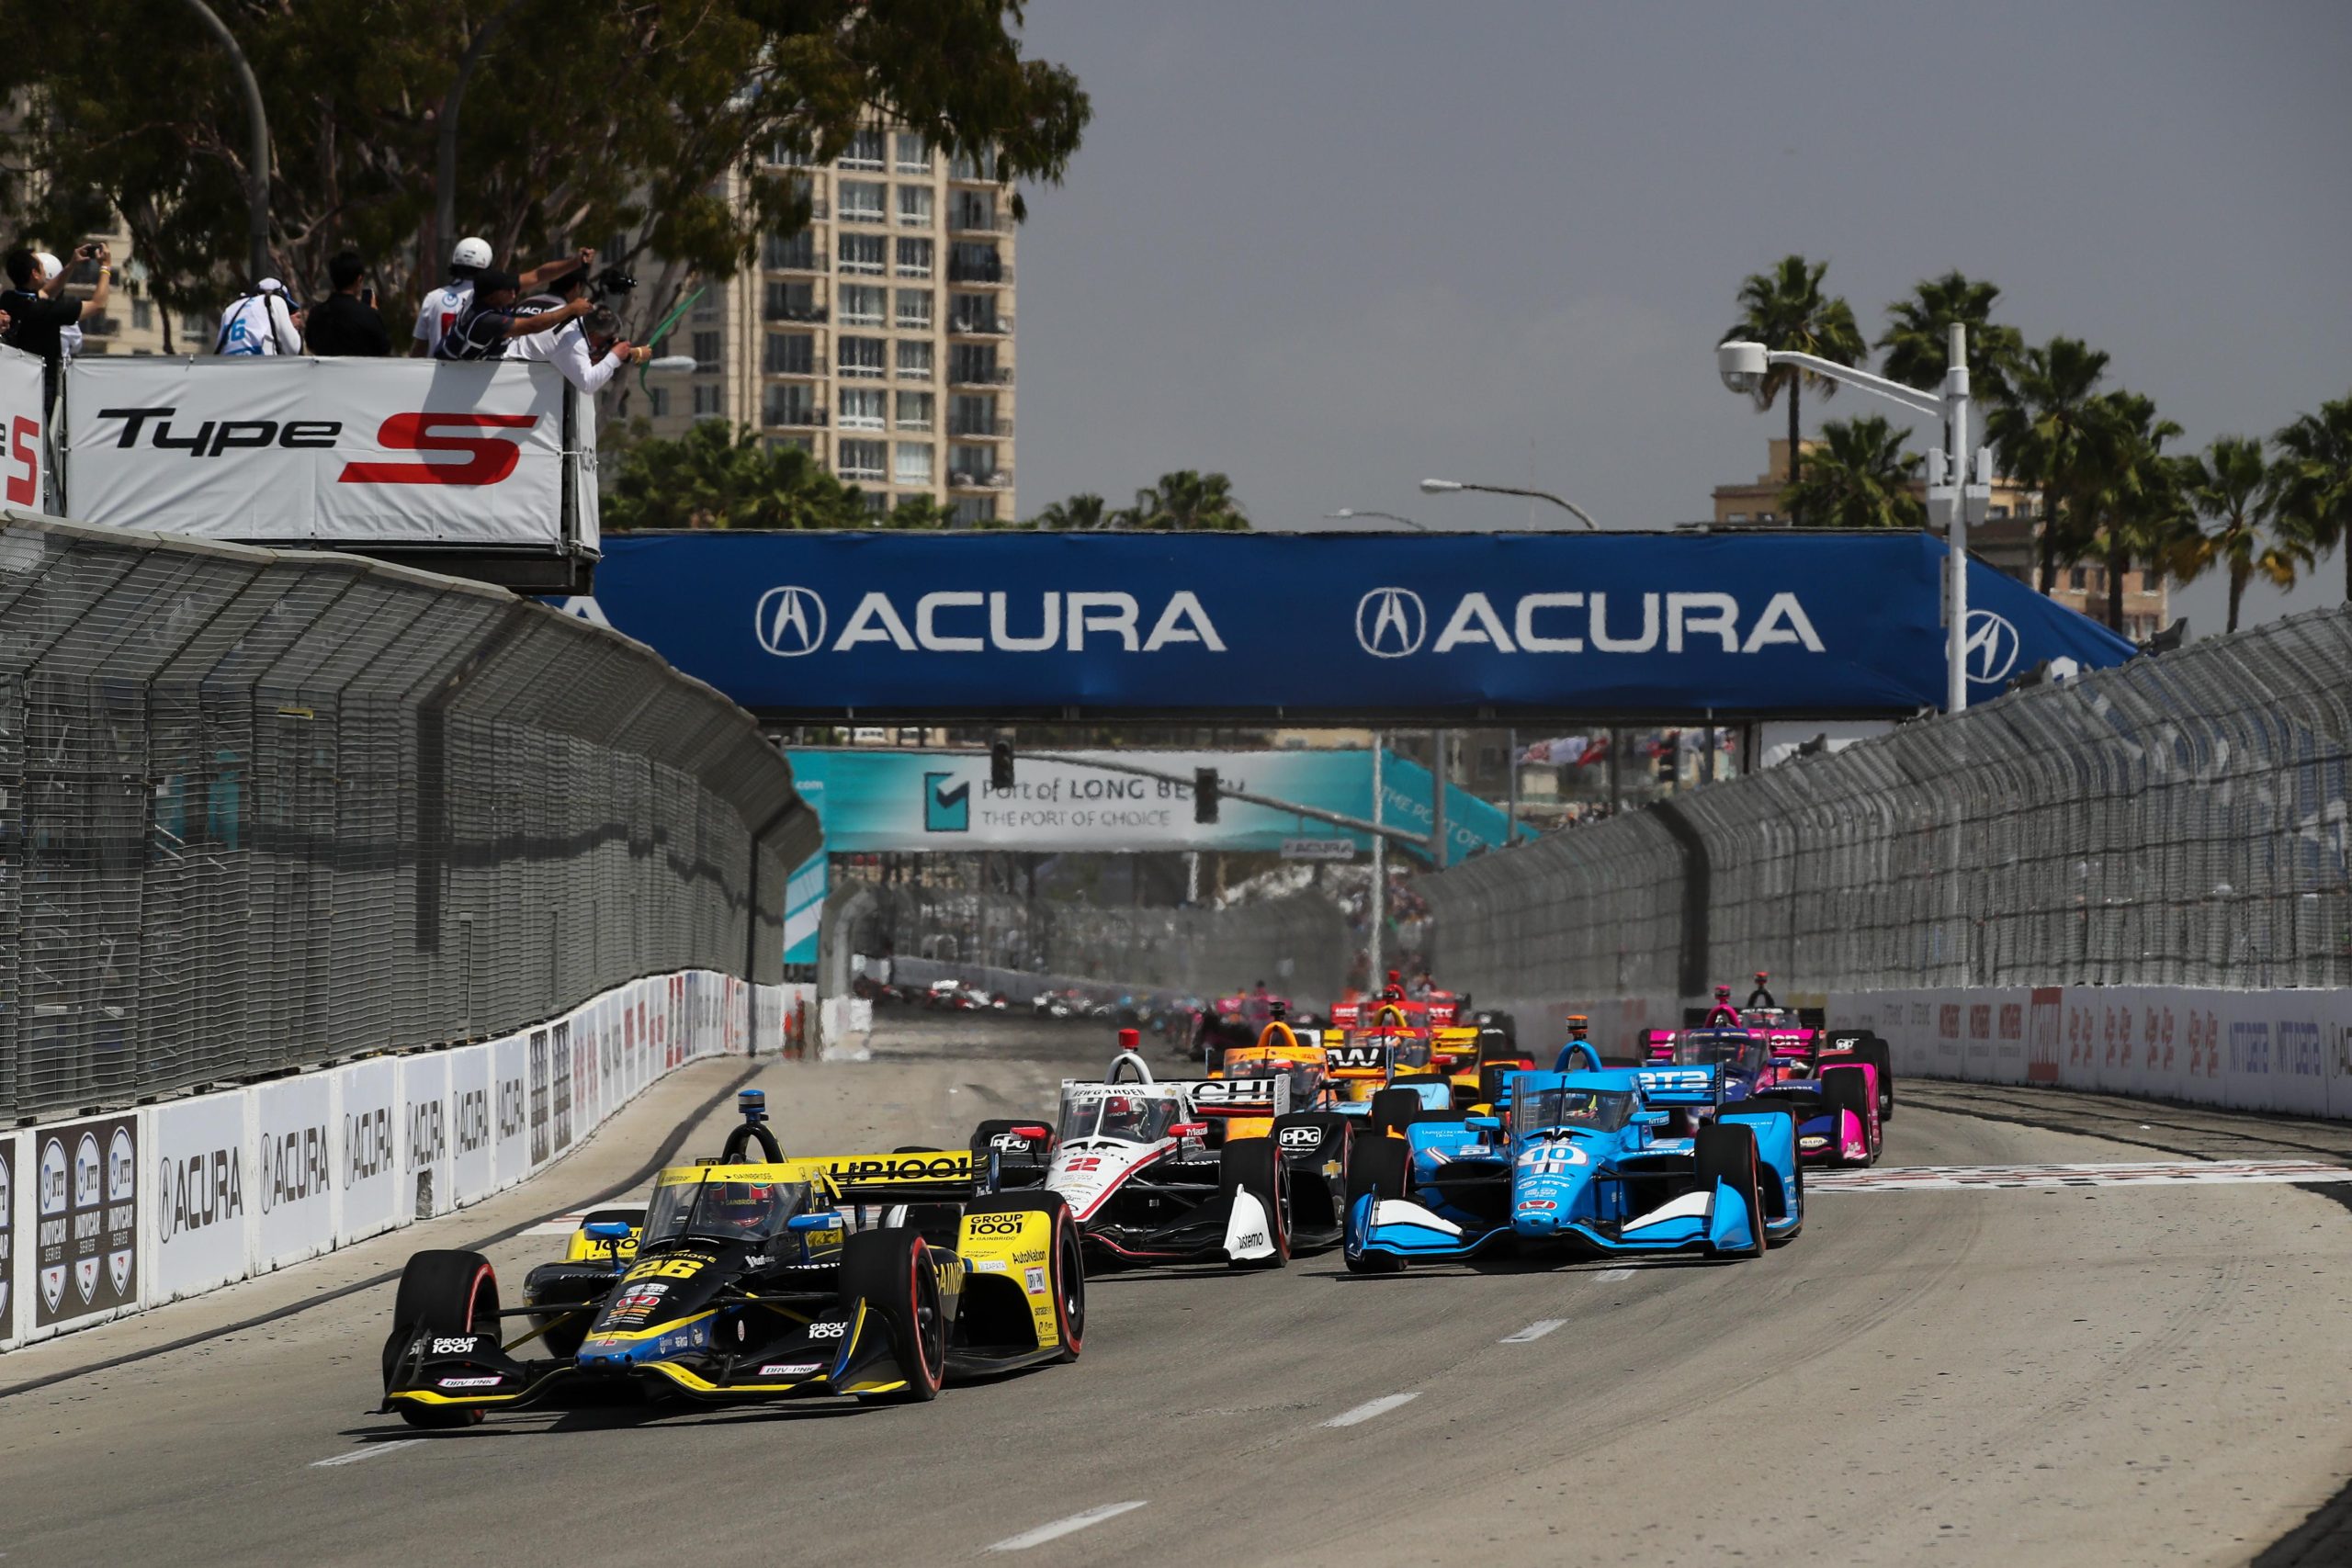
{"type": "Point", "coordinates": [445, 307]}
{"type": "Point", "coordinates": [587, 351]}
{"type": "Point", "coordinates": [38, 313]}
{"type": "Point", "coordinates": [346, 322]}
{"type": "Point", "coordinates": [494, 320]}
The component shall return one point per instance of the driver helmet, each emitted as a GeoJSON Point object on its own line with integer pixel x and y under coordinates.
{"type": "Point", "coordinates": [1122, 1116]}
{"type": "Point", "coordinates": [746, 1206]}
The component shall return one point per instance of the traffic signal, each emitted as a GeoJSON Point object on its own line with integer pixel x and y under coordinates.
{"type": "Point", "coordinates": [1000, 766]}
{"type": "Point", "coordinates": [1204, 794]}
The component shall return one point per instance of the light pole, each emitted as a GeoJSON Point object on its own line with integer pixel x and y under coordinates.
{"type": "Point", "coordinates": [1955, 489]}
{"type": "Point", "coordinates": [1448, 486]}
{"type": "Point", "coordinates": [256, 154]}
{"type": "Point", "coordinates": [1348, 514]}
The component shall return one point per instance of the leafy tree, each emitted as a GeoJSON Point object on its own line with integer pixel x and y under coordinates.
{"type": "Point", "coordinates": [711, 478]}
{"type": "Point", "coordinates": [2041, 432]}
{"type": "Point", "coordinates": [582, 123]}
{"type": "Point", "coordinates": [1785, 311]}
{"type": "Point", "coordinates": [2311, 482]}
{"type": "Point", "coordinates": [1185, 501]}
{"type": "Point", "coordinates": [1916, 340]}
{"type": "Point", "coordinates": [2230, 486]}
{"type": "Point", "coordinates": [2122, 482]}
{"type": "Point", "coordinates": [1859, 477]}
{"type": "Point", "coordinates": [1081, 512]}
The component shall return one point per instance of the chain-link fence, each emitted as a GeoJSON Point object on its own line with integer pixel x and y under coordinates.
{"type": "Point", "coordinates": [1299, 945]}
{"type": "Point", "coordinates": [263, 810]}
{"type": "Point", "coordinates": [2178, 821]}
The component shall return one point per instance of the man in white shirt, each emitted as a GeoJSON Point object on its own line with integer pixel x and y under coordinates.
{"type": "Point", "coordinates": [587, 351]}
{"type": "Point", "coordinates": [445, 307]}
{"type": "Point", "coordinates": [262, 323]}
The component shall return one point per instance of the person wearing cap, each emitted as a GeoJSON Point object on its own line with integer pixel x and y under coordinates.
{"type": "Point", "coordinates": [260, 322]}
{"type": "Point", "coordinates": [446, 306]}
{"type": "Point", "coordinates": [491, 321]}
{"type": "Point", "coordinates": [588, 352]}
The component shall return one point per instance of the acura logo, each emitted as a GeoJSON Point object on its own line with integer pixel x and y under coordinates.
{"type": "Point", "coordinates": [1390, 621]}
{"type": "Point", "coordinates": [1992, 644]}
{"type": "Point", "coordinates": [790, 622]}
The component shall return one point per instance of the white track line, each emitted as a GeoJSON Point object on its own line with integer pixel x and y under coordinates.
{"type": "Point", "coordinates": [370, 1452]}
{"type": "Point", "coordinates": [1533, 1331]}
{"type": "Point", "coordinates": [1061, 1527]}
{"type": "Point", "coordinates": [1611, 1276]}
{"type": "Point", "coordinates": [1370, 1408]}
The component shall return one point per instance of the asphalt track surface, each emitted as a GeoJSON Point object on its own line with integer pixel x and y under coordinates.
{"type": "Point", "coordinates": [2068, 1375]}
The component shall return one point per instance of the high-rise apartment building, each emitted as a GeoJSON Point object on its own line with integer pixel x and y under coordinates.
{"type": "Point", "coordinates": [879, 338]}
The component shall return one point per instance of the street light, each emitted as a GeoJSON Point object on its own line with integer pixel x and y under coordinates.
{"type": "Point", "coordinates": [1954, 490]}
{"type": "Point", "coordinates": [1448, 486]}
{"type": "Point", "coordinates": [1347, 513]}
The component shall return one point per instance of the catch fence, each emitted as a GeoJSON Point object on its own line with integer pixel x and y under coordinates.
{"type": "Point", "coordinates": [2177, 820]}
{"type": "Point", "coordinates": [265, 810]}
{"type": "Point", "coordinates": [1299, 945]}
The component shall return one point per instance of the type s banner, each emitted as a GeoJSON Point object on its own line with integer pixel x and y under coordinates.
{"type": "Point", "coordinates": [21, 423]}
{"type": "Point", "coordinates": [298, 451]}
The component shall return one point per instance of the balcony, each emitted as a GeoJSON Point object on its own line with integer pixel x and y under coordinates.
{"type": "Point", "coordinates": [864, 476]}
{"type": "Point", "coordinates": [813, 370]}
{"type": "Point", "coordinates": [812, 315]}
{"type": "Point", "coordinates": [997, 427]}
{"type": "Point", "coordinates": [986, 273]}
{"type": "Point", "coordinates": [962, 325]}
{"type": "Point", "coordinates": [862, 372]}
{"type": "Point", "coordinates": [796, 417]}
{"type": "Point", "coordinates": [976, 221]}
{"type": "Point", "coordinates": [979, 478]}
{"type": "Point", "coordinates": [973, 376]}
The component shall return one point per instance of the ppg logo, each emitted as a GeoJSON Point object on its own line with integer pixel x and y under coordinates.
{"type": "Point", "coordinates": [790, 622]}
{"type": "Point", "coordinates": [1301, 1137]}
{"type": "Point", "coordinates": [1391, 623]}
{"type": "Point", "coordinates": [1992, 646]}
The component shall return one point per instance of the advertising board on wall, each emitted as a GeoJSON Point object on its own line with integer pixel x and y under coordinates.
{"type": "Point", "coordinates": [369, 1162]}
{"type": "Point", "coordinates": [22, 421]}
{"type": "Point", "coordinates": [200, 1195]}
{"type": "Point", "coordinates": [293, 1185]}
{"type": "Point", "coordinates": [7, 1236]}
{"type": "Point", "coordinates": [296, 451]}
{"type": "Point", "coordinates": [86, 1213]}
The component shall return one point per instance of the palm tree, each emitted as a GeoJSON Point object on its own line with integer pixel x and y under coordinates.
{"type": "Point", "coordinates": [1785, 311]}
{"type": "Point", "coordinates": [1081, 512]}
{"type": "Point", "coordinates": [2311, 482]}
{"type": "Point", "coordinates": [1185, 501]}
{"type": "Point", "coordinates": [2123, 485]}
{"type": "Point", "coordinates": [2040, 433]}
{"type": "Point", "coordinates": [1917, 338]}
{"type": "Point", "coordinates": [1859, 477]}
{"type": "Point", "coordinates": [2229, 486]}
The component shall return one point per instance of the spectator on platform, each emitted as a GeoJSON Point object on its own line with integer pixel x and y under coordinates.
{"type": "Point", "coordinates": [346, 323]}
{"type": "Point", "coordinates": [38, 312]}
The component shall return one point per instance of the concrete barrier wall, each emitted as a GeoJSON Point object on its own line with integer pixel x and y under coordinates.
{"type": "Point", "coordinates": [105, 1215]}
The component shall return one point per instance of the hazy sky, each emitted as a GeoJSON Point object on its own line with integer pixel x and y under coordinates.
{"type": "Point", "coordinates": [1333, 247]}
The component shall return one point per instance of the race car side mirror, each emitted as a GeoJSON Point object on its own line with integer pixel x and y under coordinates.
{"type": "Point", "coordinates": [1189, 1130]}
{"type": "Point", "coordinates": [824, 1221]}
{"type": "Point", "coordinates": [607, 1230]}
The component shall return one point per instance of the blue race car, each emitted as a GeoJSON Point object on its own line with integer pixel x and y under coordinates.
{"type": "Point", "coordinates": [1585, 1161]}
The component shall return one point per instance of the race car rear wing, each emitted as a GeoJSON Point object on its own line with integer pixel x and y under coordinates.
{"type": "Point", "coordinates": [1241, 1097]}
{"type": "Point", "coordinates": [1666, 1086]}
{"type": "Point", "coordinates": [917, 1176]}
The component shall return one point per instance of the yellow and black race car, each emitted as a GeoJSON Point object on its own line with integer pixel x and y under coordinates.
{"type": "Point", "coordinates": [749, 1278]}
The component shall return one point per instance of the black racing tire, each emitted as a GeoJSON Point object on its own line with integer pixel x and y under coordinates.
{"type": "Point", "coordinates": [1255, 1166]}
{"type": "Point", "coordinates": [890, 1270]}
{"type": "Point", "coordinates": [1727, 1153]}
{"type": "Point", "coordinates": [441, 1292]}
{"type": "Point", "coordinates": [1393, 1110]}
{"type": "Point", "coordinates": [1379, 1168]}
{"type": "Point", "coordinates": [1843, 1089]}
{"type": "Point", "coordinates": [1874, 1051]}
{"type": "Point", "coordinates": [1066, 1270]}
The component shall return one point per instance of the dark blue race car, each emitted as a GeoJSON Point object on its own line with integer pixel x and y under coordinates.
{"type": "Point", "coordinates": [1591, 1161]}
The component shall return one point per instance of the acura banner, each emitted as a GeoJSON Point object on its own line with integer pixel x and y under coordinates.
{"type": "Point", "coordinates": [1629, 627]}
{"type": "Point", "coordinates": [289, 451]}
